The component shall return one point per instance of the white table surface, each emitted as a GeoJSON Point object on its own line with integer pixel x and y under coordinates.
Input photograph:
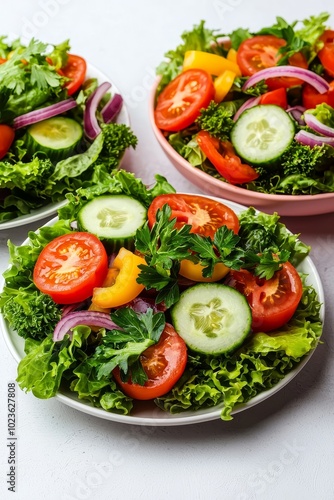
{"type": "Point", "coordinates": [282, 448]}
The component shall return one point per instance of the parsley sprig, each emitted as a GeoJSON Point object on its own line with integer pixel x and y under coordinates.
{"type": "Point", "coordinates": [164, 246]}
{"type": "Point", "coordinates": [28, 68]}
{"type": "Point", "coordinates": [122, 347]}
{"type": "Point", "coordinates": [304, 39]}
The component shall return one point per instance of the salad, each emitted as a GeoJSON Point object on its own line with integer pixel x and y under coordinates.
{"type": "Point", "coordinates": [254, 109]}
{"type": "Point", "coordinates": [57, 127]}
{"type": "Point", "coordinates": [146, 294]}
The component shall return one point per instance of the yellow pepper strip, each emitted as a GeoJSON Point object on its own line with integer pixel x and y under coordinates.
{"type": "Point", "coordinates": [213, 64]}
{"type": "Point", "coordinates": [109, 280]}
{"type": "Point", "coordinates": [125, 287]}
{"type": "Point", "coordinates": [223, 84]}
{"type": "Point", "coordinates": [232, 55]}
{"type": "Point", "coordinates": [193, 271]}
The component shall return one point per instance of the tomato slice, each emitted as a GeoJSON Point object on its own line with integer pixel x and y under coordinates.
{"type": "Point", "coordinates": [326, 54]}
{"type": "Point", "coordinates": [70, 266]}
{"type": "Point", "coordinates": [274, 301]}
{"type": "Point", "coordinates": [75, 69]}
{"type": "Point", "coordinates": [223, 158]}
{"type": "Point", "coordinates": [277, 97]}
{"type": "Point", "coordinates": [205, 215]}
{"type": "Point", "coordinates": [260, 52]}
{"type": "Point", "coordinates": [164, 363]}
{"type": "Point", "coordinates": [180, 102]}
{"type": "Point", "coordinates": [7, 136]}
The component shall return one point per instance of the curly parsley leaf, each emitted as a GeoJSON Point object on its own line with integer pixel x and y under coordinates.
{"type": "Point", "coordinates": [217, 119]}
{"type": "Point", "coordinates": [31, 314]}
{"type": "Point", "coordinates": [303, 160]}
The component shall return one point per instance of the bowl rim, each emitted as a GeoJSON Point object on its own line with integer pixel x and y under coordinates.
{"type": "Point", "coordinates": [230, 188]}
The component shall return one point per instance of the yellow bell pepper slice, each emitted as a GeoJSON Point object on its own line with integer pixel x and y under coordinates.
{"type": "Point", "coordinates": [109, 280]}
{"type": "Point", "coordinates": [223, 84]}
{"type": "Point", "coordinates": [121, 281]}
{"type": "Point", "coordinates": [232, 55]}
{"type": "Point", "coordinates": [193, 271]}
{"type": "Point", "coordinates": [212, 63]}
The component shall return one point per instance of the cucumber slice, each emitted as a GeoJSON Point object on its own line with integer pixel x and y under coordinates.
{"type": "Point", "coordinates": [55, 137]}
{"type": "Point", "coordinates": [114, 219]}
{"type": "Point", "coordinates": [212, 318]}
{"type": "Point", "coordinates": [262, 134]}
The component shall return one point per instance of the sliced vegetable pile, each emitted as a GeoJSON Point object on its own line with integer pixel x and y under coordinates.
{"type": "Point", "coordinates": [254, 109]}
{"type": "Point", "coordinates": [57, 128]}
{"type": "Point", "coordinates": [146, 294]}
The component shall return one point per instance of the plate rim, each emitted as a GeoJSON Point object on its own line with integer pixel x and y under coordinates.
{"type": "Point", "coordinates": [51, 208]}
{"type": "Point", "coordinates": [185, 417]}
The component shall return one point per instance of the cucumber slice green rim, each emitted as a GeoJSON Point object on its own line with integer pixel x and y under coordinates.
{"type": "Point", "coordinates": [56, 133]}
{"type": "Point", "coordinates": [262, 134]}
{"type": "Point", "coordinates": [114, 219]}
{"type": "Point", "coordinates": [212, 318]}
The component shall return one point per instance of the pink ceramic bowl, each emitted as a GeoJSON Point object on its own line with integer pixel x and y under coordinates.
{"type": "Point", "coordinates": [287, 205]}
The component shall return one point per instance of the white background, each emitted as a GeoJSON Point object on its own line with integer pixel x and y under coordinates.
{"type": "Point", "coordinates": [282, 448]}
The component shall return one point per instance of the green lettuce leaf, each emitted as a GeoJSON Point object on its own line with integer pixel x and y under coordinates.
{"type": "Point", "coordinates": [42, 369]}
{"type": "Point", "coordinates": [102, 392]}
{"type": "Point", "coordinates": [324, 113]}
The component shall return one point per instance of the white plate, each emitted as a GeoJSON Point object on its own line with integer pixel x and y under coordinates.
{"type": "Point", "coordinates": [52, 208]}
{"type": "Point", "coordinates": [146, 413]}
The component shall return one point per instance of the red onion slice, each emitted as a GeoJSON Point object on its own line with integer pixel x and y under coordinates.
{"type": "Point", "coordinates": [306, 75]}
{"type": "Point", "coordinates": [44, 113]}
{"type": "Point", "coordinates": [112, 109]}
{"type": "Point", "coordinates": [296, 112]}
{"type": "Point", "coordinates": [309, 139]}
{"type": "Point", "coordinates": [73, 319]}
{"type": "Point", "coordinates": [91, 126]}
{"type": "Point", "coordinates": [253, 101]}
{"type": "Point", "coordinates": [317, 126]}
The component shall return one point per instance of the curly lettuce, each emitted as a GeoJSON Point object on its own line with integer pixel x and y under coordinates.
{"type": "Point", "coordinates": [228, 381]}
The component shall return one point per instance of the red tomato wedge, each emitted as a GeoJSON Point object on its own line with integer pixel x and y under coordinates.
{"type": "Point", "coordinates": [260, 52]}
{"type": "Point", "coordinates": [311, 97]}
{"type": "Point", "coordinates": [274, 301]}
{"type": "Point", "coordinates": [326, 54]}
{"type": "Point", "coordinates": [180, 102]}
{"type": "Point", "coordinates": [277, 97]}
{"type": "Point", "coordinates": [164, 363]}
{"type": "Point", "coordinates": [7, 136]}
{"type": "Point", "coordinates": [70, 266]}
{"type": "Point", "coordinates": [75, 70]}
{"type": "Point", "coordinates": [223, 158]}
{"type": "Point", "coordinates": [203, 214]}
